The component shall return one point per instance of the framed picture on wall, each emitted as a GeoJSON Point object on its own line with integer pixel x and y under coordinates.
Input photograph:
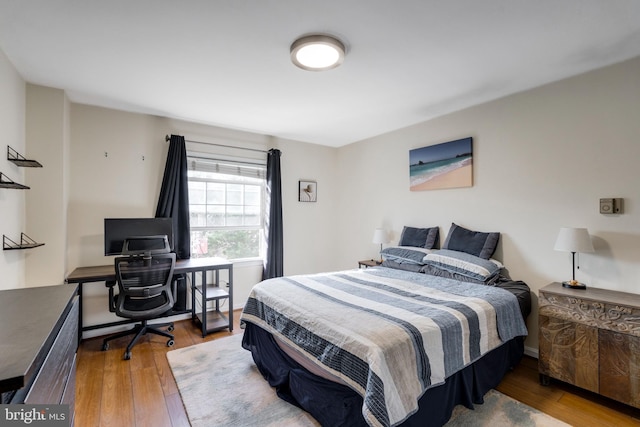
{"type": "Point", "coordinates": [446, 165]}
{"type": "Point", "coordinates": [307, 191]}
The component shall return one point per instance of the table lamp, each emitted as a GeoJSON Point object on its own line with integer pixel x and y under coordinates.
{"type": "Point", "coordinates": [380, 237]}
{"type": "Point", "coordinates": [574, 240]}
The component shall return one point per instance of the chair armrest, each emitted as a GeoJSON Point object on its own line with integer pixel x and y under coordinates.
{"type": "Point", "coordinates": [112, 298]}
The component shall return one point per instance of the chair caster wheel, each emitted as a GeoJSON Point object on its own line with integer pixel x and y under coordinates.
{"type": "Point", "coordinates": [127, 355]}
{"type": "Point", "coordinates": [105, 346]}
{"type": "Point", "coordinates": [170, 328]}
{"type": "Point", "coordinates": [170, 343]}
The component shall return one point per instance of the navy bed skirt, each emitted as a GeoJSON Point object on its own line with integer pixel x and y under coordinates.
{"type": "Point", "coordinates": [336, 405]}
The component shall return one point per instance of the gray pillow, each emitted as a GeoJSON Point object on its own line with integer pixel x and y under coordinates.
{"type": "Point", "coordinates": [464, 264]}
{"type": "Point", "coordinates": [420, 237]}
{"type": "Point", "coordinates": [476, 243]}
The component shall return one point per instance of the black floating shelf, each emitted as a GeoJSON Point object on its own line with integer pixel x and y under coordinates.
{"type": "Point", "coordinates": [26, 242]}
{"type": "Point", "coordinates": [5, 182]}
{"type": "Point", "coordinates": [20, 160]}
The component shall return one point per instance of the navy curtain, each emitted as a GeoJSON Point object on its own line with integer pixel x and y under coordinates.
{"type": "Point", "coordinates": [174, 196]}
{"type": "Point", "coordinates": [273, 266]}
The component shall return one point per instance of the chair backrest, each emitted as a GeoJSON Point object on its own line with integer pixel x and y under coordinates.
{"type": "Point", "coordinates": [144, 285]}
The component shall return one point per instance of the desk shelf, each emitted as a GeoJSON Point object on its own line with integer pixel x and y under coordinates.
{"type": "Point", "coordinates": [213, 291]}
{"type": "Point", "coordinates": [210, 319]}
{"type": "Point", "coordinates": [215, 320]}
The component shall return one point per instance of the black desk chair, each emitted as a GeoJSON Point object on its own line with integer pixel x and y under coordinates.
{"type": "Point", "coordinates": [144, 290]}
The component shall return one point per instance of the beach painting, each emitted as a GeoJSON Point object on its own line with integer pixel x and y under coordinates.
{"type": "Point", "coordinates": [446, 165]}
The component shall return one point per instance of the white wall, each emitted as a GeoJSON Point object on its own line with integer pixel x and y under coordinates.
{"type": "Point", "coordinates": [47, 136]}
{"type": "Point", "coordinates": [12, 202]}
{"type": "Point", "coordinates": [542, 160]}
{"type": "Point", "coordinates": [109, 178]}
{"type": "Point", "coordinates": [308, 226]}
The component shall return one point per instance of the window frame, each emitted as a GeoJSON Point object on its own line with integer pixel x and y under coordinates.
{"type": "Point", "coordinates": [259, 181]}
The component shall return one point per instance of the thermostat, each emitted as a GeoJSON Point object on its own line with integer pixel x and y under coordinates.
{"type": "Point", "coordinates": [611, 206]}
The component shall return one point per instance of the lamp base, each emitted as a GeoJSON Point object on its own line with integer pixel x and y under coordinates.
{"type": "Point", "coordinates": [574, 284]}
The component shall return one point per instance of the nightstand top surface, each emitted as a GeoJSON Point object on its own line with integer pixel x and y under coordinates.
{"type": "Point", "coordinates": [596, 294]}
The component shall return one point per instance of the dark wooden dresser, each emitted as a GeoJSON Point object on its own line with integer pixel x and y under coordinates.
{"type": "Point", "coordinates": [591, 338]}
{"type": "Point", "coordinates": [39, 340]}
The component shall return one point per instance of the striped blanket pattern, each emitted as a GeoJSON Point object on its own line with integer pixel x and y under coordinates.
{"type": "Point", "coordinates": [388, 334]}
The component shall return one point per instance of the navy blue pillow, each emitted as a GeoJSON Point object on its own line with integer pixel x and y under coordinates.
{"type": "Point", "coordinates": [420, 237]}
{"type": "Point", "coordinates": [482, 245]}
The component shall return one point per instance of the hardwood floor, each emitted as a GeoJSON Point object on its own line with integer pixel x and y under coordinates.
{"type": "Point", "coordinates": [141, 392]}
{"type": "Point", "coordinates": [564, 401]}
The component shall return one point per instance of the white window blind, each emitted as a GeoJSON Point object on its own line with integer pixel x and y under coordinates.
{"type": "Point", "coordinates": [227, 166]}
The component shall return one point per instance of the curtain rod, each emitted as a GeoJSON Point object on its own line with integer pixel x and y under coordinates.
{"type": "Point", "coordinates": [167, 138]}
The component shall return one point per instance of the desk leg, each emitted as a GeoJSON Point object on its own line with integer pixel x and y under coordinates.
{"type": "Point", "coordinates": [193, 296]}
{"type": "Point", "coordinates": [204, 303]}
{"type": "Point", "coordinates": [231, 298]}
{"type": "Point", "coordinates": [217, 284]}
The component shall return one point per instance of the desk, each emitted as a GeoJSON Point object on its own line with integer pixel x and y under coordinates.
{"type": "Point", "coordinates": [104, 273]}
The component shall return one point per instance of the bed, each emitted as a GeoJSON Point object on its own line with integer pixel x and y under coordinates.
{"type": "Point", "coordinates": [399, 344]}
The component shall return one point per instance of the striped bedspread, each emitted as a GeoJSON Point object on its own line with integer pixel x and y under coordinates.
{"type": "Point", "coordinates": [388, 334]}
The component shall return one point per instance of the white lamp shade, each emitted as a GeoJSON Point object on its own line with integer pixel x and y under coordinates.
{"type": "Point", "coordinates": [574, 240]}
{"type": "Point", "coordinates": [380, 236]}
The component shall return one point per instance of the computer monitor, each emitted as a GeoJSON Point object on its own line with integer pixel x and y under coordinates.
{"type": "Point", "coordinates": [116, 230]}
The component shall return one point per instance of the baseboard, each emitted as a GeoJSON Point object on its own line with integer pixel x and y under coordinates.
{"type": "Point", "coordinates": [531, 351]}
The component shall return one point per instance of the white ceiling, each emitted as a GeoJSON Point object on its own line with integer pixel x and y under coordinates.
{"type": "Point", "coordinates": [226, 63]}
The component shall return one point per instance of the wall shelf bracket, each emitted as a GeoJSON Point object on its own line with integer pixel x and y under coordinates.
{"type": "Point", "coordinates": [20, 160]}
{"type": "Point", "coordinates": [26, 242]}
{"type": "Point", "coordinates": [5, 182]}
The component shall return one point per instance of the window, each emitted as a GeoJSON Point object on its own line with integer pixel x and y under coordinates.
{"type": "Point", "coordinates": [226, 206]}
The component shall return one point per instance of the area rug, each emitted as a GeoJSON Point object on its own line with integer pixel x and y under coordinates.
{"type": "Point", "coordinates": [221, 386]}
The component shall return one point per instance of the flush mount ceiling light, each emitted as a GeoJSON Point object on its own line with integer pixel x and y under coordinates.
{"type": "Point", "coordinates": [317, 52]}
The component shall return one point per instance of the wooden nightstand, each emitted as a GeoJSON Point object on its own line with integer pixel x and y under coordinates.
{"type": "Point", "coordinates": [368, 263]}
{"type": "Point", "coordinates": [591, 338]}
